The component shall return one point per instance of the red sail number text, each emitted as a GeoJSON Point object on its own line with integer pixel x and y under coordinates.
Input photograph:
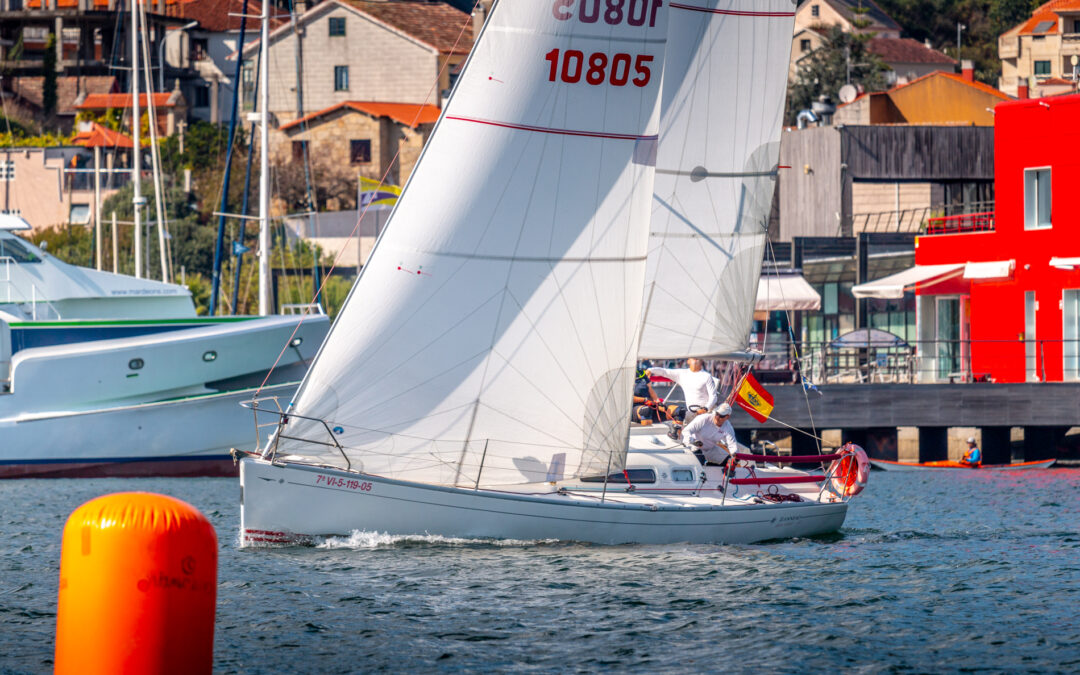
{"type": "Point", "coordinates": [572, 66]}
{"type": "Point", "coordinates": [611, 12]}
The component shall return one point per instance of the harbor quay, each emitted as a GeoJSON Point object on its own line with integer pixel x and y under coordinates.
{"type": "Point", "coordinates": [922, 422]}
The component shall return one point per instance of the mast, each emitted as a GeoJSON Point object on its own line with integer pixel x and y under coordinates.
{"type": "Point", "coordinates": [136, 119]}
{"type": "Point", "coordinates": [264, 163]}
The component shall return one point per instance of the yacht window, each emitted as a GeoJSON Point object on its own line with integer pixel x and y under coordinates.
{"type": "Point", "coordinates": [13, 247]}
{"type": "Point", "coordinates": [635, 476]}
{"type": "Point", "coordinates": [680, 475]}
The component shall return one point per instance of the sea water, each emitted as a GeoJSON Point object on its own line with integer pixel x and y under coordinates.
{"type": "Point", "coordinates": [933, 572]}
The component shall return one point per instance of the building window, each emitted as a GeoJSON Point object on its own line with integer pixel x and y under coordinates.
{"type": "Point", "coordinates": [202, 97]}
{"type": "Point", "coordinates": [1036, 198]}
{"type": "Point", "coordinates": [341, 78]}
{"type": "Point", "coordinates": [360, 152]}
{"type": "Point", "coordinates": [200, 49]}
{"type": "Point", "coordinates": [1042, 69]}
{"type": "Point", "coordinates": [337, 26]}
{"type": "Point", "coordinates": [79, 214]}
{"type": "Point", "coordinates": [815, 11]}
{"type": "Point", "coordinates": [7, 170]}
{"type": "Point", "coordinates": [299, 150]}
{"type": "Point", "coordinates": [804, 45]}
{"type": "Point", "coordinates": [1070, 311]}
{"type": "Point", "coordinates": [247, 84]}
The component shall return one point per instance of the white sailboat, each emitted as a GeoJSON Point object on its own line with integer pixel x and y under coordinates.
{"type": "Point", "coordinates": [478, 381]}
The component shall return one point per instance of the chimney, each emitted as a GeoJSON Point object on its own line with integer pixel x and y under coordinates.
{"type": "Point", "coordinates": [967, 70]}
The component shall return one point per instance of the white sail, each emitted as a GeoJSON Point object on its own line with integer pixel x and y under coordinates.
{"type": "Point", "coordinates": [723, 106]}
{"type": "Point", "coordinates": [491, 337]}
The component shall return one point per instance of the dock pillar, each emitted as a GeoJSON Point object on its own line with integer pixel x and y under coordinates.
{"type": "Point", "coordinates": [996, 445]}
{"type": "Point", "coordinates": [933, 444]}
{"type": "Point", "coordinates": [1042, 442]}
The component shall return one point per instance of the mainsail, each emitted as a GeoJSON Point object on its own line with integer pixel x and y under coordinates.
{"type": "Point", "coordinates": [723, 102]}
{"type": "Point", "coordinates": [492, 336]}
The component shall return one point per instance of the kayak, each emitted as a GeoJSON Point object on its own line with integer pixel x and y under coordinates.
{"type": "Point", "coordinates": [909, 466]}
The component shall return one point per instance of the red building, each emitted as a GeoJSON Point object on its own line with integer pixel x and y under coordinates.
{"type": "Point", "coordinates": [1005, 302]}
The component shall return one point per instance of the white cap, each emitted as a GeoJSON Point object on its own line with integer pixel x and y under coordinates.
{"type": "Point", "coordinates": [971, 439]}
{"type": "Point", "coordinates": [723, 409]}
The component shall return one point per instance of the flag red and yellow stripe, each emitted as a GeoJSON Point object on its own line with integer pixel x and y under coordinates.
{"type": "Point", "coordinates": [754, 399]}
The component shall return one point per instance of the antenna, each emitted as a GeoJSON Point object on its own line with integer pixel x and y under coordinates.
{"type": "Point", "coordinates": [848, 93]}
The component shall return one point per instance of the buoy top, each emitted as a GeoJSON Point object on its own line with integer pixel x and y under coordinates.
{"type": "Point", "coordinates": [138, 511]}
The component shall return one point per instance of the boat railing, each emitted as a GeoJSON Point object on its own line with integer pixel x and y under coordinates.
{"type": "Point", "coordinates": [271, 405]}
{"type": "Point", "coordinates": [303, 308]}
{"type": "Point", "coordinates": [12, 294]}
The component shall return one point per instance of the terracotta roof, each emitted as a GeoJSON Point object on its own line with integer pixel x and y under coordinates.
{"type": "Point", "coordinates": [114, 101]}
{"type": "Point", "coordinates": [867, 9]}
{"type": "Point", "coordinates": [99, 4]}
{"type": "Point", "coordinates": [906, 50]}
{"type": "Point", "coordinates": [985, 88]}
{"type": "Point", "coordinates": [1055, 80]}
{"type": "Point", "coordinates": [102, 137]}
{"type": "Point", "coordinates": [436, 24]}
{"type": "Point", "coordinates": [214, 15]}
{"type": "Point", "coordinates": [1044, 20]}
{"type": "Point", "coordinates": [68, 90]}
{"type": "Point", "coordinates": [409, 114]}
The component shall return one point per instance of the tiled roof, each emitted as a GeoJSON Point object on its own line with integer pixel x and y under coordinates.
{"type": "Point", "coordinates": [98, 4]}
{"type": "Point", "coordinates": [68, 89]}
{"type": "Point", "coordinates": [868, 9]}
{"type": "Point", "coordinates": [102, 137]}
{"type": "Point", "coordinates": [906, 50]}
{"type": "Point", "coordinates": [1044, 20]}
{"type": "Point", "coordinates": [985, 88]}
{"type": "Point", "coordinates": [219, 16]}
{"type": "Point", "coordinates": [409, 114]}
{"type": "Point", "coordinates": [115, 101]}
{"type": "Point", "coordinates": [436, 24]}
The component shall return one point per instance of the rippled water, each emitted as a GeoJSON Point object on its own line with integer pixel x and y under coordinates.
{"type": "Point", "coordinates": [938, 572]}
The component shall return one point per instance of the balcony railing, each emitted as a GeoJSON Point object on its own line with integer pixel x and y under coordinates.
{"type": "Point", "coordinates": [921, 218]}
{"type": "Point", "coordinates": [966, 222]}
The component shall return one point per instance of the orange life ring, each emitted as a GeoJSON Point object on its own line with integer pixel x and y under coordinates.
{"type": "Point", "coordinates": [851, 472]}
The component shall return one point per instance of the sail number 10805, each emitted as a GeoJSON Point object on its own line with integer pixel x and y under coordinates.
{"type": "Point", "coordinates": [571, 66]}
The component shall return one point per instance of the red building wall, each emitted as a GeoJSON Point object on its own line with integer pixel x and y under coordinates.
{"type": "Point", "coordinates": [1027, 134]}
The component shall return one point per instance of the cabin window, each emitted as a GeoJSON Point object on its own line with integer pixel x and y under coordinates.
{"type": "Point", "coordinates": [13, 247]}
{"type": "Point", "coordinates": [635, 475]}
{"type": "Point", "coordinates": [341, 78]}
{"type": "Point", "coordinates": [1037, 198]}
{"type": "Point", "coordinates": [360, 152]}
{"type": "Point", "coordinates": [337, 26]}
{"type": "Point", "coordinates": [815, 11]}
{"type": "Point", "coordinates": [682, 475]}
{"type": "Point", "coordinates": [1042, 69]}
{"type": "Point", "coordinates": [804, 45]}
{"type": "Point", "coordinates": [1070, 310]}
{"type": "Point", "coordinates": [299, 150]}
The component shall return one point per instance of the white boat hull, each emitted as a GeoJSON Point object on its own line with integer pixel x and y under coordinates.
{"type": "Point", "coordinates": [286, 503]}
{"type": "Point", "coordinates": [186, 437]}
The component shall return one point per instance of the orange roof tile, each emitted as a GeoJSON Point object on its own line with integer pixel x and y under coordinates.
{"type": "Point", "coordinates": [906, 50]}
{"type": "Point", "coordinates": [74, 4]}
{"type": "Point", "coordinates": [102, 137]}
{"type": "Point", "coordinates": [115, 101]}
{"type": "Point", "coordinates": [1045, 14]}
{"type": "Point", "coordinates": [436, 24]}
{"type": "Point", "coordinates": [409, 114]}
{"type": "Point", "coordinates": [219, 16]}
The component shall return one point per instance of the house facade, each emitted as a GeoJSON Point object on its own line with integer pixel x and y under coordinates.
{"type": "Point", "coordinates": [1042, 48]}
{"type": "Point", "coordinates": [1005, 304]}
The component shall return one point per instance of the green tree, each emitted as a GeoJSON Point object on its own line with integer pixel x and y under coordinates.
{"type": "Point", "coordinates": [48, 64]}
{"type": "Point", "coordinates": [842, 59]}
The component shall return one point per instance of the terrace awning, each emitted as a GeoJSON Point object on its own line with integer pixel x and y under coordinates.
{"type": "Point", "coordinates": [996, 269]}
{"type": "Point", "coordinates": [894, 285]}
{"type": "Point", "coordinates": [783, 291]}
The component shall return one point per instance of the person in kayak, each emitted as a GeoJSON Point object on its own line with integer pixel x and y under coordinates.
{"type": "Point", "coordinates": [712, 437]}
{"type": "Point", "coordinates": [973, 456]}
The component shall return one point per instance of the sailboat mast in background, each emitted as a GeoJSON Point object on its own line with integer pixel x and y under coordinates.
{"type": "Point", "coordinates": [136, 118]}
{"type": "Point", "coordinates": [264, 164]}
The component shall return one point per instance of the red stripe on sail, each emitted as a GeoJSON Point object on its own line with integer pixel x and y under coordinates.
{"type": "Point", "coordinates": [552, 130]}
{"type": "Point", "coordinates": [729, 12]}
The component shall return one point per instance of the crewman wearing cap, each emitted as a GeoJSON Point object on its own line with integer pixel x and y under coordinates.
{"type": "Point", "coordinates": [973, 456]}
{"type": "Point", "coordinates": [712, 436]}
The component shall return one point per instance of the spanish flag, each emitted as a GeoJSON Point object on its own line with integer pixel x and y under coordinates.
{"type": "Point", "coordinates": [753, 398]}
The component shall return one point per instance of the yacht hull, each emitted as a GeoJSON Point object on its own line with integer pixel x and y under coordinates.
{"type": "Point", "coordinates": [187, 437]}
{"type": "Point", "coordinates": [286, 503]}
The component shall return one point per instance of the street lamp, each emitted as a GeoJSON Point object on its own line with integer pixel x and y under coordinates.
{"type": "Point", "coordinates": [161, 55]}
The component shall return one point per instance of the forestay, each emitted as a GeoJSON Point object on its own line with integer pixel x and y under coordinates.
{"type": "Point", "coordinates": [722, 111]}
{"type": "Point", "coordinates": [492, 336]}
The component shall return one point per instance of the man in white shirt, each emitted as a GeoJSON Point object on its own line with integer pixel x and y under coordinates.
{"type": "Point", "coordinates": [713, 435]}
{"type": "Point", "coordinates": [699, 387]}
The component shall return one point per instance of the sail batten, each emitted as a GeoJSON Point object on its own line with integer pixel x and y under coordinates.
{"type": "Point", "coordinates": [492, 336]}
{"type": "Point", "coordinates": [722, 108]}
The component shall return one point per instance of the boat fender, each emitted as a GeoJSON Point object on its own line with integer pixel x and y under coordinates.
{"type": "Point", "coordinates": [851, 472]}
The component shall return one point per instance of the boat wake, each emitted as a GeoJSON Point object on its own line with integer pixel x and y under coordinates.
{"type": "Point", "coordinates": [372, 540]}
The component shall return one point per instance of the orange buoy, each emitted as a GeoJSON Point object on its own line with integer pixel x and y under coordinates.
{"type": "Point", "coordinates": [138, 587]}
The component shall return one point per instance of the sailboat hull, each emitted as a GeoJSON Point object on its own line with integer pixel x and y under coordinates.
{"type": "Point", "coordinates": [291, 503]}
